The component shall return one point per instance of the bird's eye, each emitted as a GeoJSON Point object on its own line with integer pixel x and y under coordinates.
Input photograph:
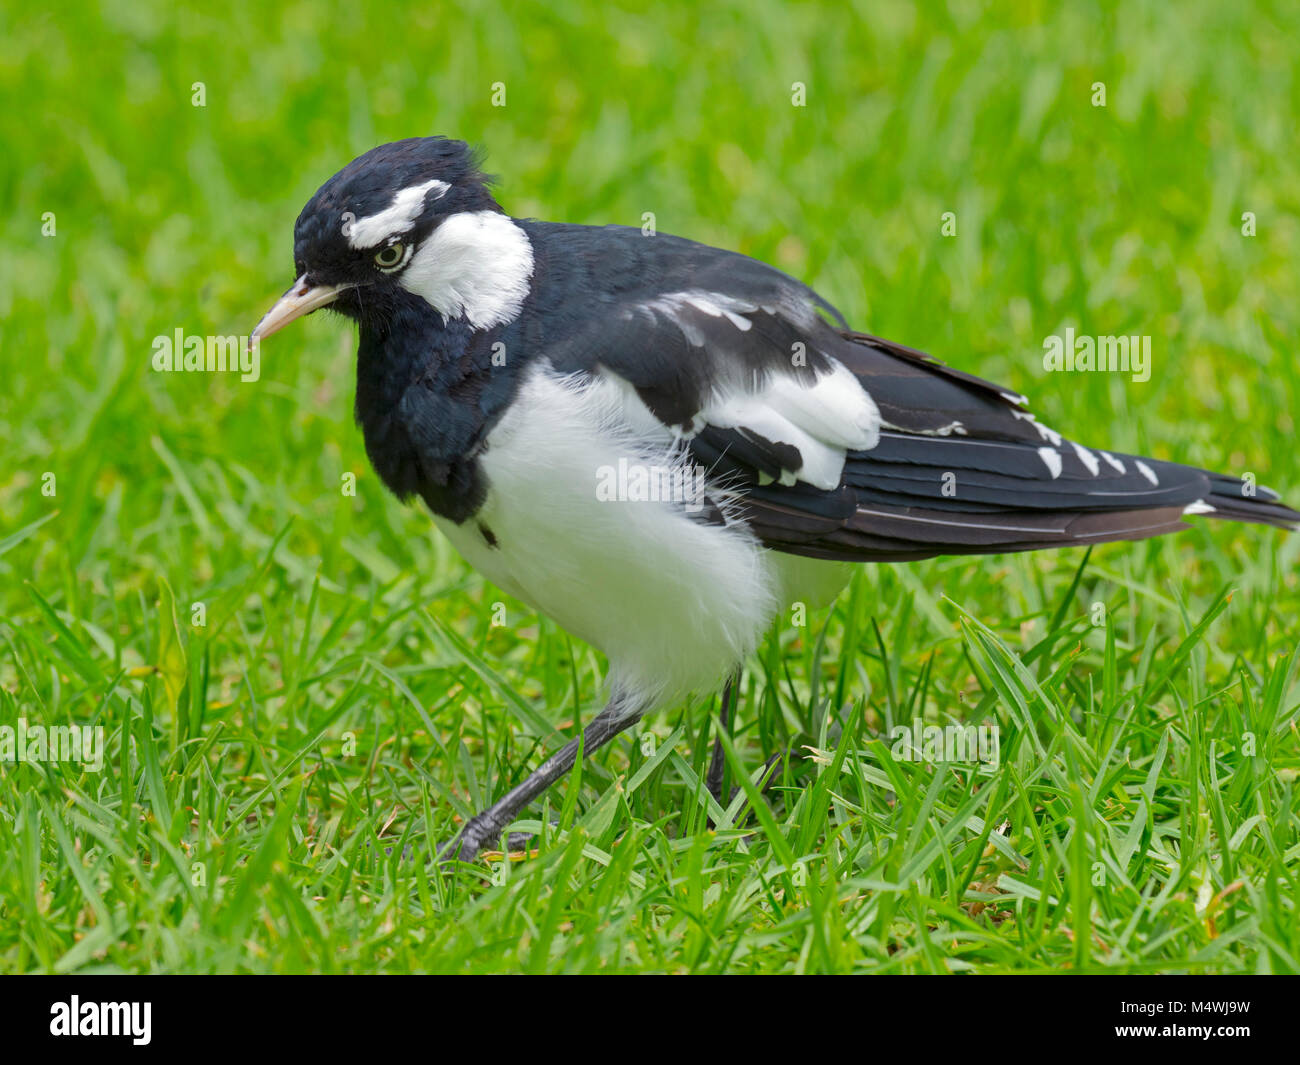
{"type": "Point", "coordinates": [388, 257]}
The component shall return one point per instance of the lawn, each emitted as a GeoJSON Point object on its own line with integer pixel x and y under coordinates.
{"type": "Point", "coordinates": [302, 689]}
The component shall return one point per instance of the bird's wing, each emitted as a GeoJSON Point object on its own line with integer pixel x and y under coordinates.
{"type": "Point", "coordinates": [841, 445]}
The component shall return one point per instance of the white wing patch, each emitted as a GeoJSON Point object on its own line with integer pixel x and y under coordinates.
{"type": "Point", "coordinates": [1087, 458]}
{"type": "Point", "coordinates": [714, 304]}
{"type": "Point", "coordinates": [1113, 462]}
{"type": "Point", "coordinates": [1050, 435]}
{"type": "Point", "coordinates": [397, 218]}
{"type": "Point", "coordinates": [1051, 456]}
{"type": "Point", "coordinates": [1052, 459]}
{"type": "Point", "coordinates": [952, 428]}
{"type": "Point", "coordinates": [721, 305]}
{"type": "Point", "coordinates": [1146, 471]}
{"type": "Point", "coordinates": [822, 420]}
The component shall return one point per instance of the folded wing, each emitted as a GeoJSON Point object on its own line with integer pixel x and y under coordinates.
{"type": "Point", "coordinates": [840, 445]}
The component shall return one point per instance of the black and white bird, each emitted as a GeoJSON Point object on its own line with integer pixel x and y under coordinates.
{"type": "Point", "coordinates": [661, 444]}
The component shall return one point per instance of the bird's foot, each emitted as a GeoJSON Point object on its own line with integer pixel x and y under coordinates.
{"type": "Point", "coordinates": [714, 784]}
{"type": "Point", "coordinates": [518, 841]}
{"type": "Point", "coordinates": [486, 827]}
{"type": "Point", "coordinates": [478, 832]}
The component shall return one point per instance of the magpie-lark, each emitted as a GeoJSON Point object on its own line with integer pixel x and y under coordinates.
{"type": "Point", "coordinates": [505, 366]}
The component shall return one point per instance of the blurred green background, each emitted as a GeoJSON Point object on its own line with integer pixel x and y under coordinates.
{"type": "Point", "coordinates": [332, 614]}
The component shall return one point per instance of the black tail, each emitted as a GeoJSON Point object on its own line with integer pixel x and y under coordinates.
{"type": "Point", "coordinates": [1234, 499]}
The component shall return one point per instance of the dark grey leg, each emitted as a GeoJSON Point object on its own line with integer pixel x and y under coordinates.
{"type": "Point", "coordinates": [718, 762]}
{"type": "Point", "coordinates": [487, 826]}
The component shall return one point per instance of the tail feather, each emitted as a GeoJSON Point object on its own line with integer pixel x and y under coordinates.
{"type": "Point", "coordinates": [1235, 499]}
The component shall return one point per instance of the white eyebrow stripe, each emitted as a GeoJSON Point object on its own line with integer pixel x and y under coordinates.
{"type": "Point", "coordinates": [397, 217]}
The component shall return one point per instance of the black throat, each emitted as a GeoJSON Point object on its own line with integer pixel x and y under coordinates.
{"type": "Point", "coordinates": [427, 396]}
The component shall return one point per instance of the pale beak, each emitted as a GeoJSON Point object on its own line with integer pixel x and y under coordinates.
{"type": "Point", "coordinates": [299, 300]}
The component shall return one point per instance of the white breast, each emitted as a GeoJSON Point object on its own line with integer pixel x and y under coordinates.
{"type": "Point", "coordinates": [673, 602]}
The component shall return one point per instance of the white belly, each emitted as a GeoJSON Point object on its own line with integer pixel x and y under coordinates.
{"type": "Point", "coordinates": [674, 603]}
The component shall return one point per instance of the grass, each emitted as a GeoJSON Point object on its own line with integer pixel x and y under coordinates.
{"type": "Point", "coordinates": [276, 776]}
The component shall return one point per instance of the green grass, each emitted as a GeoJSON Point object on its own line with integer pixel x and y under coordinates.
{"type": "Point", "coordinates": [276, 777]}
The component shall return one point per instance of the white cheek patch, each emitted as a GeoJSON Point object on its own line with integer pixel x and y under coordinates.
{"type": "Point", "coordinates": [398, 217]}
{"type": "Point", "coordinates": [477, 264]}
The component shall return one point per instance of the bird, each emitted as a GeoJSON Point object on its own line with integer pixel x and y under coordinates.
{"type": "Point", "coordinates": [661, 444]}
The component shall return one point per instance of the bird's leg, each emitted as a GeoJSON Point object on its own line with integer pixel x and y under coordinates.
{"type": "Point", "coordinates": [717, 763]}
{"type": "Point", "coordinates": [713, 781]}
{"type": "Point", "coordinates": [486, 827]}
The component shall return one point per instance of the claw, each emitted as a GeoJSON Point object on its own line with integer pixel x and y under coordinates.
{"type": "Point", "coordinates": [466, 844]}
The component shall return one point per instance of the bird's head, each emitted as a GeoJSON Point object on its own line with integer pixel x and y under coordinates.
{"type": "Point", "coordinates": [357, 245]}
